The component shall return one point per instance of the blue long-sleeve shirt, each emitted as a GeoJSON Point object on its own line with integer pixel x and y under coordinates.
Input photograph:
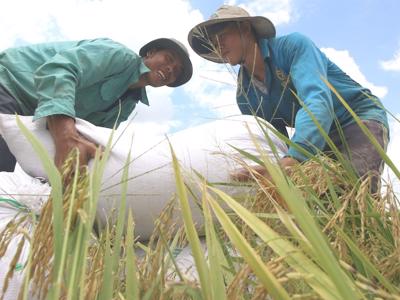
{"type": "Point", "coordinates": [293, 62]}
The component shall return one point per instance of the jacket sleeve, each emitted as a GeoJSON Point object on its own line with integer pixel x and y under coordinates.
{"type": "Point", "coordinates": [307, 66]}
{"type": "Point", "coordinates": [91, 61]}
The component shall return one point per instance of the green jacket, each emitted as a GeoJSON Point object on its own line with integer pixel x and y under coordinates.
{"type": "Point", "coordinates": [88, 79]}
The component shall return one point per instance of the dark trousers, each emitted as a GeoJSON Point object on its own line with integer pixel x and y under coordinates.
{"type": "Point", "coordinates": [8, 105]}
{"type": "Point", "coordinates": [360, 152]}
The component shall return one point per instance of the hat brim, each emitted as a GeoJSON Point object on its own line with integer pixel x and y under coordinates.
{"type": "Point", "coordinates": [199, 41]}
{"type": "Point", "coordinates": [165, 43]}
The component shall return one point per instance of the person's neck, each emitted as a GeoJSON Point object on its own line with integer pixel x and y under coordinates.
{"type": "Point", "coordinates": [142, 82]}
{"type": "Point", "coordinates": [254, 61]}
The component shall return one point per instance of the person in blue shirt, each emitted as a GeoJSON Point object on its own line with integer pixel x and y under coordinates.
{"type": "Point", "coordinates": [98, 80]}
{"type": "Point", "coordinates": [284, 81]}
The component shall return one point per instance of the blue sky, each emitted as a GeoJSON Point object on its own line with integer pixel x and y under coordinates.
{"type": "Point", "coordinates": [361, 36]}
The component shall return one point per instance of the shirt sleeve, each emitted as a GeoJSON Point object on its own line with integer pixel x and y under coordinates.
{"type": "Point", "coordinates": [91, 61]}
{"type": "Point", "coordinates": [307, 66]}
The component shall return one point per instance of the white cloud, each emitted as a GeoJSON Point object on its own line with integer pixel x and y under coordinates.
{"type": "Point", "coordinates": [278, 11]}
{"type": "Point", "coordinates": [213, 86]}
{"type": "Point", "coordinates": [347, 63]}
{"type": "Point", "coordinates": [158, 118]}
{"type": "Point", "coordinates": [392, 64]}
{"type": "Point", "coordinates": [130, 22]}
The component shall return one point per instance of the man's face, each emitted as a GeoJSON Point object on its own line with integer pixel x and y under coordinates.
{"type": "Point", "coordinates": [165, 67]}
{"type": "Point", "coordinates": [228, 44]}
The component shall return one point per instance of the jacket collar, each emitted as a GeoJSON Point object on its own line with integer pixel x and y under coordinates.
{"type": "Point", "coordinates": [264, 46]}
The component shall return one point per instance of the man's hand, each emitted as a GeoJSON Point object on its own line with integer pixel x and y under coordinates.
{"type": "Point", "coordinates": [287, 162]}
{"type": "Point", "coordinates": [245, 175]}
{"type": "Point", "coordinates": [66, 138]}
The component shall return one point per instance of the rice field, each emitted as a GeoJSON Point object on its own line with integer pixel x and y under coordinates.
{"type": "Point", "coordinates": [317, 233]}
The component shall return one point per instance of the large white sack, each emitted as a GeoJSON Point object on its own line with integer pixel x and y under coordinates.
{"type": "Point", "coordinates": [152, 183]}
{"type": "Point", "coordinates": [20, 196]}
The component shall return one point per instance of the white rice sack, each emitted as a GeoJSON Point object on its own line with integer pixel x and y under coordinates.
{"type": "Point", "coordinates": [20, 197]}
{"type": "Point", "coordinates": [204, 149]}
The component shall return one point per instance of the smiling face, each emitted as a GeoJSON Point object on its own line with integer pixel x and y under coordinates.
{"type": "Point", "coordinates": [165, 67]}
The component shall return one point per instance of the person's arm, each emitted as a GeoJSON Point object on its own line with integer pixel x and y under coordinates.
{"type": "Point", "coordinates": [57, 80]}
{"type": "Point", "coordinates": [307, 66]}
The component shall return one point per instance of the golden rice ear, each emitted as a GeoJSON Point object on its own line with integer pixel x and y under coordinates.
{"type": "Point", "coordinates": [16, 228]}
{"type": "Point", "coordinates": [42, 247]}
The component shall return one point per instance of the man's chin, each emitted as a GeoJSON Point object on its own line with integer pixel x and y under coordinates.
{"type": "Point", "coordinates": [232, 62]}
{"type": "Point", "coordinates": [156, 83]}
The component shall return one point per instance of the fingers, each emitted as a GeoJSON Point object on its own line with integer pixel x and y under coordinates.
{"type": "Point", "coordinates": [62, 153]}
{"type": "Point", "coordinates": [87, 150]}
{"type": "Point", "coordinates": [260, 174]}
{"type": "Point", "coordinates": [241, 175]}
{"type": "Point", "coordinates": [66, 138]}
{"type": "Point", "coordinates": [58, 161]}
{"type": "Point", "coordinates": [246, 174]}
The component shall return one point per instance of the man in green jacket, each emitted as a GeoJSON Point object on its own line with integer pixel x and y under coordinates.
{"type": "Point", "coordinates": [98, 80]}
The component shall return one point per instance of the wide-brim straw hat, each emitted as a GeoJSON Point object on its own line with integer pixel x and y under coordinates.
{"type": "Point", "coordinates": [180, 49]}
{"type": "Point", "coordinates": [200, 41]}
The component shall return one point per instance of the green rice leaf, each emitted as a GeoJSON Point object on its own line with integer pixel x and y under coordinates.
{"type": "Point", "coordinates": [294, 256]}
{"type": "Point", "coordinates": [132, 281]}
{"type": "Point", "coordinates": [190, 229]}
{"type": "Point", "coordinates": [323, 253]}
{"type": "Point", "coordinates": [216, 257]}
{"type": "Point", "coordinates": [249, 254]}
{"type": "Point", "coordinates": [106, 291]}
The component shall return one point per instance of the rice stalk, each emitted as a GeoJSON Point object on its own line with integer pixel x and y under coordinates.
{"type": "Point", "coordinates": [42, 270]}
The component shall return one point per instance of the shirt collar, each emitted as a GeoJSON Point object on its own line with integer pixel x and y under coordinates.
{"type": "Point", "coordinates": [264, 48]}
{"type": "Point", "coordinates": [263, 43]}
{"type": "Point", "coordinates": [143, 68]}
{"type": "Point", "coordinates": [142, 96]}
{"type": "Point", "coordinates": [138, 94]}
